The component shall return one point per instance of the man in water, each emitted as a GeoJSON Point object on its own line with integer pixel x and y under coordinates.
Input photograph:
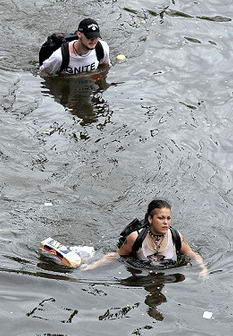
{"type": "Point", "coordinates": [82, 52]}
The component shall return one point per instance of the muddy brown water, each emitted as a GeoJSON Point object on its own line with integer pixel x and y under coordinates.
{"type": "Point", "coordinates": [159, 126]}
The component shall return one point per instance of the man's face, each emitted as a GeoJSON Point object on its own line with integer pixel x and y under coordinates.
{"type": "Point", "coordinates": [89, 44]}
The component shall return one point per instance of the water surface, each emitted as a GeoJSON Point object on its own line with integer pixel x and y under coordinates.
{"type": "Point", "coordinates": [159, 125]}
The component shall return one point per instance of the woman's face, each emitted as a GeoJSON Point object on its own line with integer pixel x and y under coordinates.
{"type": "Point", "coordinates": [160, 221]}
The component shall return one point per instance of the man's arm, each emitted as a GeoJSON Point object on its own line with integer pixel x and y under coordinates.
{"type": "Point", "coordinates": [52, 65]}
{"type": "Point", "coordinates": [106, 59]}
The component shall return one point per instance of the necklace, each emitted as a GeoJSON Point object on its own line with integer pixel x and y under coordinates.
{"type": "Point", "coordinates": [156, 240]}
{"type": "Point", "coordinates": [80, 52]}
{"type": "Point", "coordinates": [75, 50]}
{"type": "Point", "coordinates": [156, 236]}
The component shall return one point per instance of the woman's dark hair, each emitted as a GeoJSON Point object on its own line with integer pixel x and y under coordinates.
{"type": "Point", "coordinates": [156, 204]}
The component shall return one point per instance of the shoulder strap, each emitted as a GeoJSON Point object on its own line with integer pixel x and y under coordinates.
{"type": "Point", "coordinates": [138, 242]}
{"type": "Point", "coordinates": [65, 56]}
{"type": "Point", "coordinates": [176, 238]}
{"type": "Point", "coordinates": [142, 235]}
{"type": "Point", "coordinates": [99, 51]}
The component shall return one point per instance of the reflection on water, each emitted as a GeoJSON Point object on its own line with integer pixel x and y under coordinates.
{"type": "Point", "coordinates": [80, 95]}
{"type": "Point", "coordinates": [153, 283]}
{"type": "Point", "coordinates": [168, 134]}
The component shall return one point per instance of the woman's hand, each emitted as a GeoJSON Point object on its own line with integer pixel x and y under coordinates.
{"type": "Point", "coordinates": [186, 250]}
{"type": "Point", "coordinates": [86, 267]}
{"type": "Point", "coordinates": [204, 273]}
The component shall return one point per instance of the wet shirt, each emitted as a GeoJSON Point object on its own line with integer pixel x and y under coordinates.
{"type": "Point", "coordinates": [77, 64]}
{"type": "Point", "coordinates": [167, 255]}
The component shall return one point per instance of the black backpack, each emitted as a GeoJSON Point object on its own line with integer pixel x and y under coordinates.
{"type": "Point", "coordinates": [137, 225]}
{"type": "Point", "coordinates": [58, 40]}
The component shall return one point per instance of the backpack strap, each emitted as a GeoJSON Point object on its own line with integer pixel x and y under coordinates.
{"type": "Point", "coordinates": [142, 235]}
{"type": "Point", "coordinates": [99, 51]}
{"type": "Point", "coordinates": [138, 242]}
{"type": "Point", "coordinates": [176, 238]}
{"type": "Point", "coordinates": [65, 56]}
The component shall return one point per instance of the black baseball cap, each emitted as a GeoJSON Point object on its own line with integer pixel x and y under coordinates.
{"type": "Point", "coordinates": [89, 28]}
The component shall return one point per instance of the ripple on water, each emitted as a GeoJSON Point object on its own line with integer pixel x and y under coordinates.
{"type": "Point", "coordinates": [160, 127]}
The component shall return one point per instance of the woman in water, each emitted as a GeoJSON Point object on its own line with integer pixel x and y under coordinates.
{"type": "Point", "coordinates": [158, 245]}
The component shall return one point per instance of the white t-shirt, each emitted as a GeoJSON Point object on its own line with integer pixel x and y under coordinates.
{"type": "Point", "coordinates": [168, 253]}
{"type": "Point", "coordinates": [77, 64]}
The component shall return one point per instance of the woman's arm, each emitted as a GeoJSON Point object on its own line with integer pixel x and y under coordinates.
{"type": "Point", "coordinates": [124, 250]}
{"type": "Point", "coordinates": [186, 250]}
{"type": "Point", "coordinates": [126, 247]}
{"type": "Point", "coordinates": [105, 260]}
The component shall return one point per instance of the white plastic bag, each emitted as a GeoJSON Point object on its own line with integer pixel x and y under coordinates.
{"type": "Point", "coordinates": [85, 252]}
